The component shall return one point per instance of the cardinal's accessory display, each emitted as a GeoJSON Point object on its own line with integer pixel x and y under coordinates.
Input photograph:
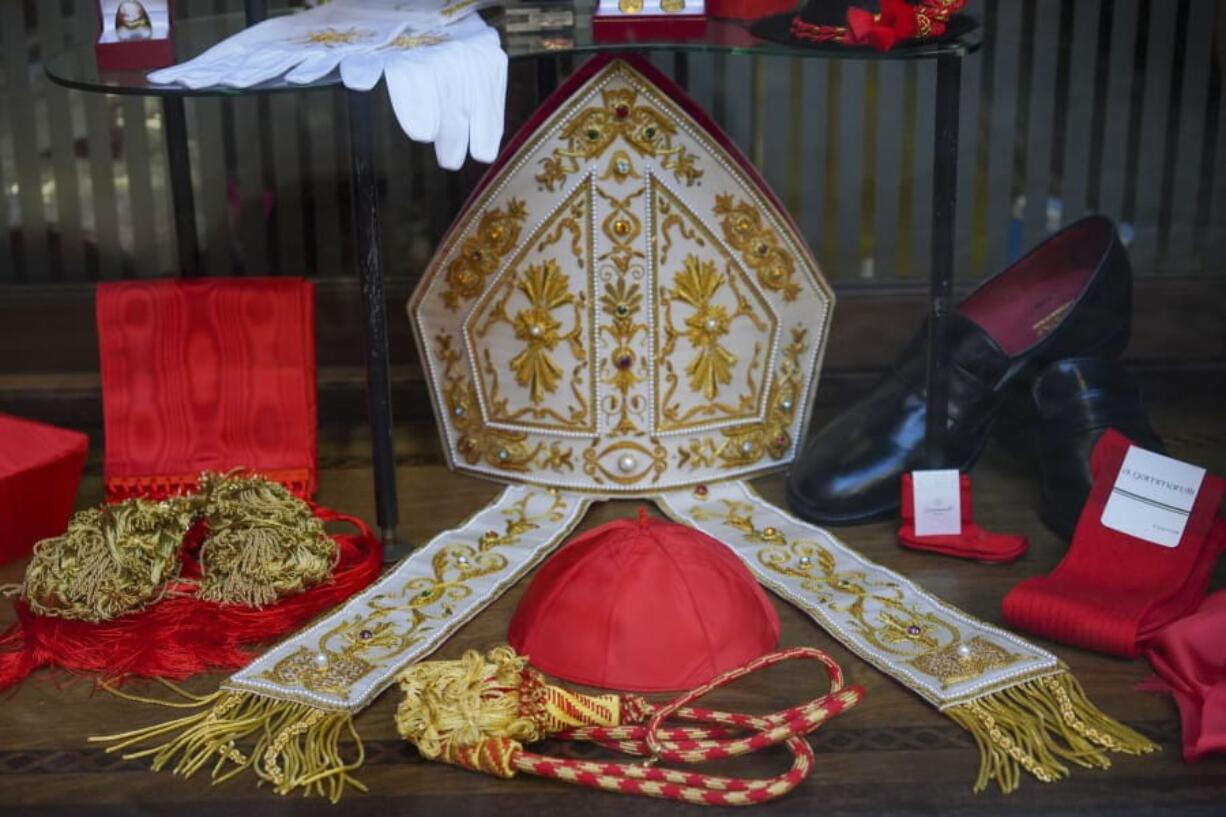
{"type": "Point", "coordinates": [624, 309]}
{"type": "Point", "coordinates": [168, 588]}
{"type": "Point", "coordinates": [1069, 295]}
{"type": "Point", "coordinates": [973, 542]}
{"type": "Point", "coordinates": [1189, 657]}
{"type": "Point", "coordinates": [1113, 590]}
{"type": "Point", "coordinates": [644, 605]}
{"type": "Point", "coordinates": [879, 24]}
{"type": "Point", "coordinates": [1075, 402]}
{"type": "Point", "coordinates": [445, 69]}
{"type": "Point", "coordinates": [479, 711]}
{"type": "Point", "coordinates": [40, 469]}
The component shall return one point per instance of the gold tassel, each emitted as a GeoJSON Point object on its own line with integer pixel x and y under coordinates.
{"type": "Point", "coordinates": [292, 746]}
{"type": "Point", "coordinates": [264, 543]}
{"type": "Point", "coordinates": [1038, 726]}
{"type": "Point", "coordinates": [111, 560]}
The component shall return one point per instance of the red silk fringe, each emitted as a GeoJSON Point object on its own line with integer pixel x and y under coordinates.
{"type": "Point", "coordinates": [181, 636]}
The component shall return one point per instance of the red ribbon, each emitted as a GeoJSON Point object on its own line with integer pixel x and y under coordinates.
{"type": "Point", "coordinates": [896, 23]}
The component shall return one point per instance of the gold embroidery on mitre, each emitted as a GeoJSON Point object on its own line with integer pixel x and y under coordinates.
{"type": "Point", "coordinates": [482, 252]}
{"type": "Point", "coordinates": [512, 317]}
{"type": "Point", "coordinates": [622, 301]}
{"type": "Point", "coordinates": [547, 290]}
{"type": "Point", "coordinates": [634, 462]}
{"type": "Point", "coordinates": [875, 611]}
{"type": "Point", "coordinates": [646, 131]}
{"type": "Point", "coordinates": [356, 647]}
{"type": "Point", "coordinates": [759, 245]}
{"type": "Point", "coordinates": [746, 445]}
{"type": "Point", "coordinates": [705, 327]}
{"type": "Point", "coordinates": [477, 443]}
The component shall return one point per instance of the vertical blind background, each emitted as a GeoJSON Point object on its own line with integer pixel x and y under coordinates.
{"type": "Point", "coordinates": [1115, 106]}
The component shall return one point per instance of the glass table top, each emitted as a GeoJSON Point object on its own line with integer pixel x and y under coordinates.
{"type": "Point", "coordinates": [77, 67]}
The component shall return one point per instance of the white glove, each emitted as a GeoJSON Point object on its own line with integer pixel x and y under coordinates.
{"type": "Point", "coordinates": [308, 46]}
{"type": "Point", "coordinates": [447, 86]}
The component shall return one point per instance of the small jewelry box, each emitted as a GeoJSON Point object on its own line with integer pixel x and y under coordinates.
{"type": "Point", "coordinates": [135, 35]}
{"type": "Point", "coordinates": [634, 20]}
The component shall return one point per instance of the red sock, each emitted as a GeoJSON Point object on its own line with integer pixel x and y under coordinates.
{"type": "Point", "coordinates": [973, 543]}
{"type": "Point", "coordinates": [1112, 590]}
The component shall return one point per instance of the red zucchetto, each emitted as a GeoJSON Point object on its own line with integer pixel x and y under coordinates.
{"type": "Point", "coordinates": [643, 605]}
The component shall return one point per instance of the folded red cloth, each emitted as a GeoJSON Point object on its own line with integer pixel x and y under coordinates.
{"type": "Point", "coordinates": [973, 543]}
{"type": "Point", "coordinates": [1189, 657]}
{"type": "Point", "coordinates": [207, 374]}
{"type": "Point", "coordinates": [1112, 590]}
{"type": "Point", "coordinates": [40, 468]}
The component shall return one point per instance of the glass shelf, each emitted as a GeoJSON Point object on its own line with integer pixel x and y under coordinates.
{"type": "Point", "coordinates": [77, 67]}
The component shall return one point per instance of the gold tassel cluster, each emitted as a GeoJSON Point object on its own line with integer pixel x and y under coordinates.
{"type": "Point", "coordinates": [263, 544]}
{"type": "Point", "coordinates": [294, 747]}
{"type": "Point", "coordinates": [1039, 726]}
{"type": "Point", "coordinates": [112, 560]}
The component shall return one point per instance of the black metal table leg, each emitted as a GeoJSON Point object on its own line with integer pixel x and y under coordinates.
{"type": "Point", "coordinates": [257, 10]}
{"type": "Point", "coordinates": [378, 370]}
{"type": "Point", "coordinates": [944, 211]}
{"type": "Point", "coordinates": [183, 200]}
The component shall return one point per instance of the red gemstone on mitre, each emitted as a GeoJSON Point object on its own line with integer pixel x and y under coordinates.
{"type": "Point", "coordinates": [643, 605]}
{"type": "Point", "coordinates": [622, 111]}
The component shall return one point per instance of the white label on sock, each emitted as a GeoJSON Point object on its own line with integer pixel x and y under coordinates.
{"type": "Point", "coordinates": [1152, 497]}
{"type": "Point", "coordinates": [938, 502]}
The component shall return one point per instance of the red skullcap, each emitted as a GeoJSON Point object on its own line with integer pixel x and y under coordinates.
{"type": "Point", "coordinates": [646, 606]}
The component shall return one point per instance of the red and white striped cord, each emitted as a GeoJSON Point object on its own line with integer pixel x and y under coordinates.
{"type": "Point", "coordinates": [695, 744]}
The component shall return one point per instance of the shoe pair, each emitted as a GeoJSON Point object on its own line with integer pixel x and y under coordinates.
{"type": "Point", "coordinates": [1039, 340]}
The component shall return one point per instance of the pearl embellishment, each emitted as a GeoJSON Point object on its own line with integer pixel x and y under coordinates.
{"type": "Point", "coordinates": [627, 464]}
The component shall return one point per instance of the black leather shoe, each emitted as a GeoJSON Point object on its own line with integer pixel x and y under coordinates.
{"type": "Point", "coordinates": [1069, 296]}
{"type": "Point", "coordinates": [1077, 400]}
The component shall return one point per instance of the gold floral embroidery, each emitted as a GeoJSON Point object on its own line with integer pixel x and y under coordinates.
{"type": "Point", "coordinates": [546, 289]}
{"type": "Point", "coordinates": [592, 131]}
{"type": "Point", "coordinates": [875, 611]}
{"type": "Point", "coordinates": [477, 443]}
{"type": "Point", "coordinates": [746, 445]}
{"type": "Point", "coordinates": [407, 42]}
{"type": "Point", "coordinates": [515, 302]}
{"type": "Point", "coordinates": [759, 245]}
{"type": "Point", "coordinates": [331, 37]}
{"type": "Point", "coordinates": [623, 302]}
{"type": "Point", "coordinates": [705, 327]}
{"type": "Point", "coordinates": [482, 252]}
{"type": "Point", "coordinates": [348, 652]}
{"type": "Point", "coordinates": [634, 462]}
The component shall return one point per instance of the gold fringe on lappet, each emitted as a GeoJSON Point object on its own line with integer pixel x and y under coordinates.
{"type": "Point", "coordinates": [294, 747]}
{"type": "Point", "coordinates": [1039, 725]}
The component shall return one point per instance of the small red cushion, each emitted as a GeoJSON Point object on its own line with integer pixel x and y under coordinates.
{"type": "Point", "coordinates": [646, 606]}
{"type": "Point", "coordinates": [40, 468]}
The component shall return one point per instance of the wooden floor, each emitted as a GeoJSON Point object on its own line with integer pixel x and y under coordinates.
{"type": "Point", "coordinates": [893, 754]}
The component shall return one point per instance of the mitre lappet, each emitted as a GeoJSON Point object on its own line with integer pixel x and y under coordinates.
{"type": "Point", "coordinates": [624, 310]}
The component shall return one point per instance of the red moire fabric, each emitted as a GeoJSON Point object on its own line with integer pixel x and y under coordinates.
{"type": "Point", "coordinates": [643, 605]}
{"type": "Point", "coordinates": [1189, 658]}
{"type": "Point", "coordinates": [207, 375]}
{"type": "Point", "coordinates": [1112, 591]}
{"type": "Point", "coordinates": [973, 543]}
{"type": "Point", "coordinates": [40, 469]}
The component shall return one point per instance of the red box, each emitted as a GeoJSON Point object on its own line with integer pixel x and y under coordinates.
{"type": "Point", "coordinates": [748, 9]}
{"type": "Point", "coordinates": [116, 54]}
{"type": "Point", "coordinates": [40, 469]}
{"type": "Point", "coordinates": [651, 27]}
